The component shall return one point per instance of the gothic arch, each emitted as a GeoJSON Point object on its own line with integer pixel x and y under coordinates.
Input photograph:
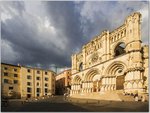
{"type": "Point", "coordinates": [115, 68]}
{"type": "Point", "coordinates": [90, 74]}
{"type": "Point", "coordinates": [119, 48]}
{"type": "Point", "coordinates": [77, 80]}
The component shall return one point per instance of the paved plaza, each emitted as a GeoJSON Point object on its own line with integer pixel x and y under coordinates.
{"type": "Point", "coordinates": [60, 104]}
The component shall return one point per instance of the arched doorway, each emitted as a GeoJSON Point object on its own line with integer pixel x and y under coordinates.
{"type": "Point", "coordinates": [76, 85]}
{"type": "Point", "coordinates": [93, 77]}
{"type": "Point", "coordinates": [116, 73]}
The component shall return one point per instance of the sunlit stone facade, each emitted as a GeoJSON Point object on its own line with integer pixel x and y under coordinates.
{"type": "Point", "coordinates": [26, 82]}
{"type": "Point", "coordinates": [112, 61]}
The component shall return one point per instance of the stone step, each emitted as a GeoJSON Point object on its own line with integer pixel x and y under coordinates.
{"type": "Point", "coordinates": [125, 97]}
{"type": "Point", "coordinates": [110, 95]}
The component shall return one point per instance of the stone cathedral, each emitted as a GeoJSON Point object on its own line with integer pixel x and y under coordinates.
{"type": "Point", "coordinates": [112, 61]}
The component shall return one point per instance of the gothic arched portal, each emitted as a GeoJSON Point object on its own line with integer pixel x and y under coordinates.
{"type": "Point", "coordinates": [116, 70]}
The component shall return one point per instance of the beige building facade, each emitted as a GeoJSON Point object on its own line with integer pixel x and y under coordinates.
{"type": "Point", "coordinates": [10, 81]}
{"type": "Point", "coordinates": [26, 82]}
{"type": "Point", "coordinates": [37, 82]}
{"type": "Point", "coordinates": [112, 61]}
{"type": "Point", "coordinates": [63, 82]}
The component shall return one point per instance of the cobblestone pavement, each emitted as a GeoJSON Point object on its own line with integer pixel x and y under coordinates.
{"type": "Point", "coordinates": [60, 104]}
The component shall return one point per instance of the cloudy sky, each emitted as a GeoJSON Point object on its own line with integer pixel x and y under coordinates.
{"type": "Point", "coordinates": [46, 33]}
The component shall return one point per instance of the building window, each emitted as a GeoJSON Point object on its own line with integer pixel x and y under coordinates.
{"type": "Point", "coordinates": [29, 83]}
{"type": "Point", "coordinates": [46, 90]}
{"type": "Point", "coordinates": [38, 72]}
{"type": "Point", "coordinates": [28, 77]}
{"type": "Point", "coordinates": [5, 74]}
{"type": "Point", "coordinates": [15, 70]}
{"type": "Point", "coordinates": [5, 68]}
{"type": "Point", "coordinates": [46, 79]}
{"type": "Point", "coordinates": [5, 80]}
{"type": "Point", "coordinates": [38, 90]}
{"type": "Point", "coordinates": [45, 73]}
{"type": "Point", "coordinates": [15, 75]}
{"type": "Point", "coordinates": [28, 70]}
{"type": "Point", "coordinates": [37, 78]}
{"type": "Point", "coordinates": [28, 89]}
{"type": "Point", "coordinates": [120, 49]}
{"type": "Point", "coordinates": [38, 95]}
{"type": "Point", "coordinates": [46, 85]}
{"type": "Point", "coordinates": [68, 77]}
{"type": "Point", "coordinates": [15, 81]}
{"type": "Point", "coordinates": [37, 83]}
{"type": "Point", "coordinates": [11, 88]}
{"type": "Point", "coordinates": [28, 95]}
{"type": "Point", "coordinates": [81, 66]}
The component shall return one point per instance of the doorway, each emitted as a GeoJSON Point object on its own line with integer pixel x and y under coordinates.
{"type": "Point", "coordinates": [119, 82]}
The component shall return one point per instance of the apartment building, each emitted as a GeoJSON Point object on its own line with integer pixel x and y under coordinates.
{"type": "Point", "coordinates": [26, 82]}
{"type": "Point", "coordinates": [63, 81]}
{"type": "Point", "coordinates": [37, 82]}
{"type": "Point", "coordinates": [10, 81]}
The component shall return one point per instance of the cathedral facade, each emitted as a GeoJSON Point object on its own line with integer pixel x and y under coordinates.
{"type": "Point", "coordinates": [112, 61]}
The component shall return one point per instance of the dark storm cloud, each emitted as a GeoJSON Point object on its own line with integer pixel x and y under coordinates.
{"type": "Point", "coordinates": [27, 40]}
{"type": "Point", "coordinates": [45, 33]}
{"type": "Point", "coordinates": [64, 17]}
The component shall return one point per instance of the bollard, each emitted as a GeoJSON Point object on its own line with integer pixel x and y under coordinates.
{"type": "Point", "coordinates": [143, 99]}
{"type": "Point", "coordinates": [136, 98]}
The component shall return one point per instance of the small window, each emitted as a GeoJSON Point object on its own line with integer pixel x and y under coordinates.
{"type": "Point", "coordinates": [45, 73]}
{"type": "Point", "coordinates": [15, 70]}
{"type": "Point", "coordinates": [5, 68]}
{"type": "Point", "coordinates": [119, 71]}
{"type": "Point", "coordinates": [38, 72]}
{"type": "Point", "coordinates": [28, 70]}
{"type": "Point", "coordinates": [28, 89]}
{"type": "Point", "coordinates": [15, 81]}
{"type": "Point", "coordinates": [5, 74]}
{"type": "Point", "coordinates": [15, 75]}
{"type": "Point", "coordinates": [29, 83]}
{"type": "Point", "coordinates": [11, 88]}
{"type": "Point", "coordinates": [46, 90]}
{"type": "Point", "coordinates": [38, 95]}
{"type": "Point", "coordinates": [37, 83]}
{"type": "Point", "coordinates": [38, 90]}
{"type": "Point", "coordinates": [46, 85]}
{"type": "Point", "coordinates": [37, 78]}
{"type": "Point", "coordinates": [28, 95]}
{"type": "Point", "coordinates": [46, 79]}
{"type": "Point", "coordinates": [5, 80]}
{"type": "Point", "coordinates": [81, 66]}
{"type": "Point", "coordinates": [28, 77]}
